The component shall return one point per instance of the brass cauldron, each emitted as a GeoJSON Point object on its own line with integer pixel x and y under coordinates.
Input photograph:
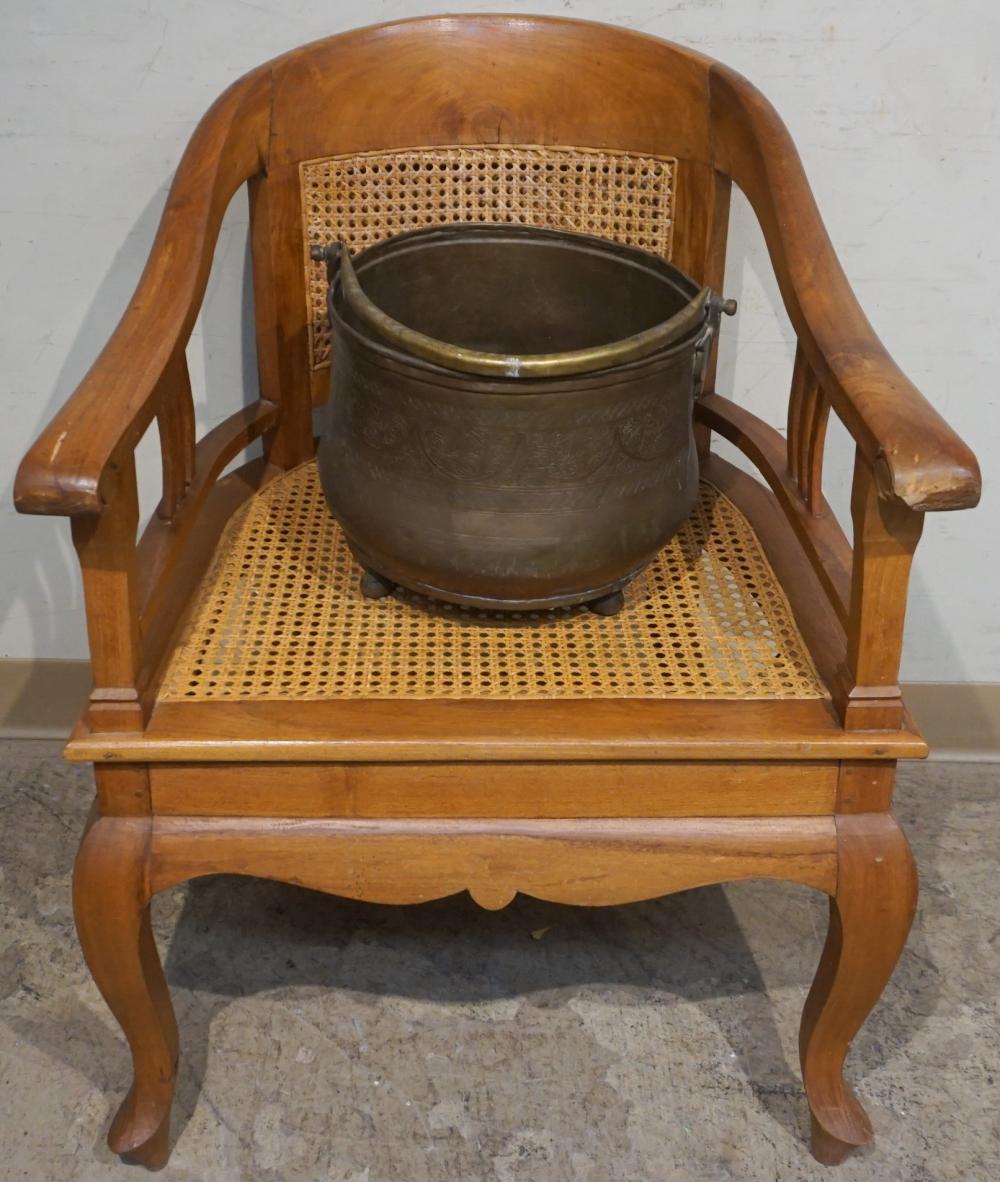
{"type": "Point", "coordinates": [510, 413]}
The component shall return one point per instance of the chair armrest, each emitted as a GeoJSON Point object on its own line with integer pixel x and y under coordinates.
{"type": "Point", "coordinates": [72, 467]}
{"type": "Point", "coordinates": [918, 460]}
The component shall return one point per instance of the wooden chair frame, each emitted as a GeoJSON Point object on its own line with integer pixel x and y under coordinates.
{"type": "Point", "coordinates": [602, 801]}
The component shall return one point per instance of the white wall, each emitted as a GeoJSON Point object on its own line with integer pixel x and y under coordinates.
{"type": "Point", "coordinates": [894, 107]}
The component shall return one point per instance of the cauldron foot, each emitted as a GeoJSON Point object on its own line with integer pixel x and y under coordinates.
{"type": "Point", "coordinates": [608, 605]}
{"type": "Point", "coordinates": [374, 586]}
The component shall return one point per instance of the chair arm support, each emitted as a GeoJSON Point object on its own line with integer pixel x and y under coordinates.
{"type": "Point", "coordinates": [73, 466]}
{"type": "Point", "coordinates": [917, 458]}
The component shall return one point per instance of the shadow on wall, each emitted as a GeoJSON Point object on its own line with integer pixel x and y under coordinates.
{"type": "Point", "coordinates": [223, 364]}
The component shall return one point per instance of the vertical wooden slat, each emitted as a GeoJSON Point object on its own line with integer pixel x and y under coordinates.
{"type": "Point", "coordinates": [701, 226]}
{"type": "Point", "coordinates": [800, 380]}
{"type": "Point", "coordinates": [701, 221]}
{"type": "Point", "coordinates": [812, 483]}
{"type": "Point", "coordinates": [175, 420]}
{"type": "Point", "coordinates": [715, 257]}
{"type": "Point", "coordinates": [277, 249]}
{"type": "Point", "coordinates": [808, 413]}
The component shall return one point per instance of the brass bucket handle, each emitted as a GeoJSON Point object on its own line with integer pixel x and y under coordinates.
{"type": "Point", "coordinates": [704, 308]}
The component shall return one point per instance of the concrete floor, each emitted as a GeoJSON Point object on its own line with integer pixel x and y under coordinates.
{"type": "Point", "coordinates": [324, 1039]}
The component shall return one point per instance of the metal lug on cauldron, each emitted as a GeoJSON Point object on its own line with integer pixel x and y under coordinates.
{"type": "Point", "coordinates": [716, 307]}
{"type": "Point", "coordinates": [329, 254]}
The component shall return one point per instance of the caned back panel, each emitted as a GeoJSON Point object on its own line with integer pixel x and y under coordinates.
{"type": "Point", "coordinates": [362, 198]}
{"type": "Point", "coordinates": [547, 122]}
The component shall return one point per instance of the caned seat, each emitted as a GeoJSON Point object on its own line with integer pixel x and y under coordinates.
{"type": "Point", "coordinates": [277, 634]}
{"type": "Point", "coordinates": [280, 617]}
{"type": "Point", "coordinates": [252, 714]}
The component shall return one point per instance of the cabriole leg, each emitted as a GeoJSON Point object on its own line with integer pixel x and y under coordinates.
{"type": "Point", "coordinates": [870, 917]}
{"type": "Point", "coordinates": [111, 904]}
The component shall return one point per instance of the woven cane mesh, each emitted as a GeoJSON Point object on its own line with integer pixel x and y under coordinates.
{"type": "Point", "coordinates": [362, 198]}
{"type": "Point", "coordinates": [279, 616]}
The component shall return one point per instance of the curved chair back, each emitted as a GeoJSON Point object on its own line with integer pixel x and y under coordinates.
{"type": "Point", "coordinates": [551, 122]}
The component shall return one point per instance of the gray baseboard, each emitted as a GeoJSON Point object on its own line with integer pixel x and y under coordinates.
{"type": "Point", "coordinates": [959, 720]}
{"type": "Point", "coordinates": [43, 700]}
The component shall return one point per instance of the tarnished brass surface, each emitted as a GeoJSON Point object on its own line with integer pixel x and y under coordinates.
{"type": "Point", "coordinates": [505, 490]}
{"type": "Point", "coordinates": [506, 365]}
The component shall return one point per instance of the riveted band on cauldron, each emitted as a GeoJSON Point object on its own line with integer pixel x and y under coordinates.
{"type": "Point", "coordinates": [510, 415]}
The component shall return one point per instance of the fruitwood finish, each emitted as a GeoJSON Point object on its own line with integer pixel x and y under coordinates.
{"type": "Point", "coordinates": [577, 801]}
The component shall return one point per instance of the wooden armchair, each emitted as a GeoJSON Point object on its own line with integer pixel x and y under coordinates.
{"type": "Point", "coordinates": [252, 714]}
